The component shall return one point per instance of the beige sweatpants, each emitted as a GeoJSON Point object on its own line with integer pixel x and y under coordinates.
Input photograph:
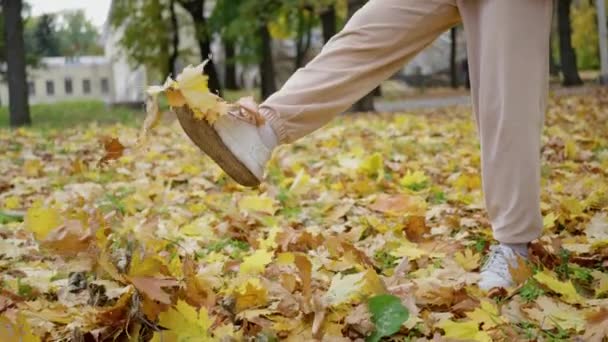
{"type": "Point", "coordinates": [508, 46]}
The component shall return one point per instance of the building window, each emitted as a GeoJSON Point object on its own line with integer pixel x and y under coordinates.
{"type": "Point", "coordinates": [31, 88]}
{"type": "Point", "coordinates": [105, 86]}
{"type": "Point", "coordinates": [50, 88]}
{"type": "Point", "coordinates": [86, 86]}
{"type": "Point", "coordinates": [68, 86]}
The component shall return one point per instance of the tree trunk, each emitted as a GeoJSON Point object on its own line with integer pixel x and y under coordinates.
{"type": "Point", "coordinates": [268, 86]}
{"type": "Point", "coordinates": [174, 40]}
{"type": "Point", "coordinates": [365, 104]}
{"type": "Point", "coordinates": [567, 53]}
{"type": "Point", "coordinates": [230, 72]}
{"type": "Point", "coordinates": [329, 23]}
{"type": "Point", "coordinates": [196, 9]}
{"type": "Point", "coordinates": [603, 37]}
{"type": "Point", "coordinates": [15, 60]}
{"type": "Point", "coordinates": [304, 37]}
{"type": "Point", "coordinates": [453, 52]}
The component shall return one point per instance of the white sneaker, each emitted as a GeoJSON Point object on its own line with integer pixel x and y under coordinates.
{"type": "Point", "coordinates": [233, 141]}
{"type": "Point", "coordinates": [495, 272]}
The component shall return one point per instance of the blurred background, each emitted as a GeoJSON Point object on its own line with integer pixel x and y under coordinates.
{"type": "Point", "coordinates": [97, 57]}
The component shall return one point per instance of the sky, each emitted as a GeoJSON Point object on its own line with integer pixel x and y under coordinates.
{"type": "Point", "coordinates": [96, 10]}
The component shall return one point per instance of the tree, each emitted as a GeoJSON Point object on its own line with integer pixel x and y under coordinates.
{"type": "Point", "coordinates": [16, 63]}
{"type": "Point", "coordinates": [365, 104]}
{"type": "Point", "coordinates": [268, 86]}
{"type": "Point", "coordinates": [174, 52]}
{"type": "Point", "coordinates": [46, 42]}
{"type": "Point", "coordinates": [453, 55]}
{"type": "Point", "coordinates": [148, 37]}
{"type": "Point", "coordinates": [603, 39]}
{"type": "Point", "coordinates": [77, 35]}
{"type": "Point", "coordinates": [225, 14]}
{"type": "Point", "coordinates": [329, 22]}
{"type": "Point", "coordinates": [567, 53]}
{"type": "Point", "coordinates": [304, 19]}
{"type": "Point", "coordinates": [196, 9]}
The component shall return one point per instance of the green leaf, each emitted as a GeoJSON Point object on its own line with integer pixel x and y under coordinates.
{"type": "Point", "coordinates": [388, 314]}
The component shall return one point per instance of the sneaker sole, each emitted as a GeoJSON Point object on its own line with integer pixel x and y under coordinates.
{"type": "Point", "coordinates": [206, 138]}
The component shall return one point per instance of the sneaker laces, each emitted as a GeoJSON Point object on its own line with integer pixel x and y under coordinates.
{"type": "Point", "coordinates": [246, 109]}
{"type": "Point", "coordinates": [499, 260]}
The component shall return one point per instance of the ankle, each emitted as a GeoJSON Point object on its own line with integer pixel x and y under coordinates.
{"type": "Point", "coordinates": [519, 248]}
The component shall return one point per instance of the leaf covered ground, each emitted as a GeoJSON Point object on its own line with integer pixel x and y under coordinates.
{"type": "Point", "coordinates": [156, 243]}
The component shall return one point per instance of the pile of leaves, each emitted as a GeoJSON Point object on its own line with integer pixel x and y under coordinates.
{"type": "Point", "coordinates": [371, 227]}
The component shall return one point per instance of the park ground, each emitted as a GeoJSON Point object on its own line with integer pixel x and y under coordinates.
{"type": "Point", "coordinates": [153, 240]}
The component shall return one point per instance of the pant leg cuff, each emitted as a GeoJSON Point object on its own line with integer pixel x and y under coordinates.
{"type": "Point", "coordinates": [276, 123]}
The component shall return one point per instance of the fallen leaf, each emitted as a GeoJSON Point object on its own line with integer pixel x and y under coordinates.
{"type": "Point", "coordinates": [565, 289]}
{"type": "Point", "coordinates": [388, 314]}
{"type": "Point", "coordinates": [399, 205]}
{"type": "Point", "coordinates": [551, 314]}
{"type": "Point", "coordinates": [184, 323]}
{"type": "Point", "coordinates": [41, 221]}
{"type": "Point", "coordinates": [113, 150]}
{"type": "Point", "coordinates": [256, 263]}
{"type": "Point", "coordinates": [153, 287]}
{"type": "Point", "coordinates": [597, 326]}
{"type": "Point", "coordinates": [468, 259]}
{"type": "Point", "coordinates": [463, 331]}
{"type": "Point", "coordinates": [250, 294]}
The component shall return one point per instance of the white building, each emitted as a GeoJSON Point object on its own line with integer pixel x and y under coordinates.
{"type": "Point", "coordinates": [67, 79]}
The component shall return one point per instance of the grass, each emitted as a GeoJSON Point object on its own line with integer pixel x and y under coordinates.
{"type": "Point", "coordinates": [71, 114]}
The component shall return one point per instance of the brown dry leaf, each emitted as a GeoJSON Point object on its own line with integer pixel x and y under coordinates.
{"type": "Point", "coordinates": [197, 291]}
{"type": "Point", "coordinates": [117, 313]}
{"type": "Point", "coordinates": [304, 270]}
{"type": "Point", "coordinates": [416, 228]}
{"type": "Point", "coordinates": [69, 239]}
{"type": "Point", "coordinates": [113, 150]}
{"type": "Point", "coordinates": [319, 309]}
{"type": "Point", "coordinates": [597, 326]}
{"type": "Point", "coordinates": [522, 272]}
{"type": "Point", "coordinates": [153, 287]}
{"type": "Point", "coordinates": [175, 98]}
{"type": "Point", "coordinates": [399, 205]}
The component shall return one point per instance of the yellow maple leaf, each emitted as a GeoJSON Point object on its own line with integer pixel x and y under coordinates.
{"type": "Point", "coordinates": [408, 249]}
{"type": "Point", "coordinates": [467, 182]}
{"type": "Point", "coordinates": [572, 206]}
{"type": "Point", "coordinates": [256, 262]}
{"type": "Point", "coordinates": [373, 166]}
{"type": "Point", "coordinates": [12, 202]}
{"type": "Point", "coordinates": [549, 220]}
{"type": "Point", "coordinates": [565, 289]}
{"type": "Point", "coordinates": [468, 260]}
{"type": "Point", "coordinates": [413, 179]}
{"type": "Point", "coordinates": [41, 221]}
{"type": "Point", "coordinates": [352, 287]}
{"type": "Point", "coordinates": [192, 84]}
{"type": "Point", "coordinates": [487, 314]}
{"type": "Point", "coordinates": [262, 204]}
{"type": "Point", "coordinates": [32, 167]}
{"type": "Point", "coordinates": [184, 324]}
{"type": "Point", "coordinates": [270, 242]}
{"type": "Point", "coordinates": [20, 331]}
{"type": "Point", "coordinates": [144, 265]}
{"type": "Point", "coordinates": [468, 331]}
{"type": "Point", "coordinates": [250, 294]}
{"type": "Point", "coordinates": [551, 314]}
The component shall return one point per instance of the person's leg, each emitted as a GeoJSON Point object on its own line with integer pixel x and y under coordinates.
{"type": "Point", "coordinates": [508, 43]}
{"type": "Point", "coordinates": [377, 41]}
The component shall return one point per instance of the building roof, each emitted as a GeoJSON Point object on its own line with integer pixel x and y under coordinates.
{"type": "Point", "coordinates": [78, 60]}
